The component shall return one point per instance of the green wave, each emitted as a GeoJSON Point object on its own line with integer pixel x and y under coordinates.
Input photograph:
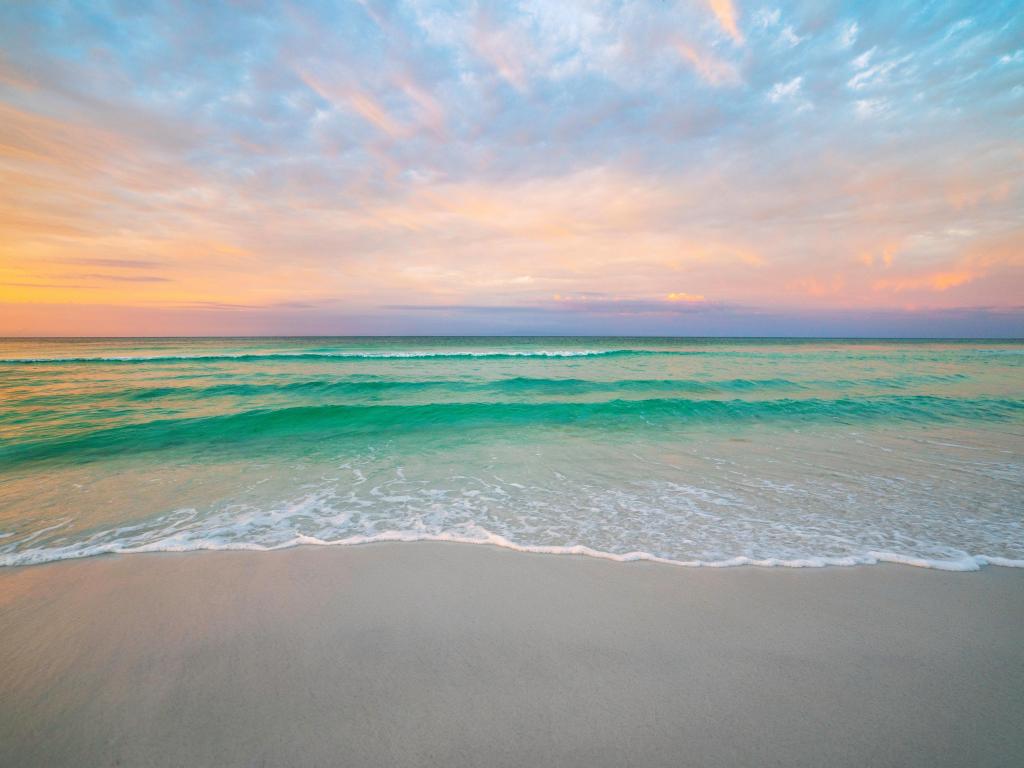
{"type": "Point", "coordinates": [521, 385]}
{"type": "Point", "coordinates": [316, 426]}
{"type": "Point", "coordinates": [516, 385]}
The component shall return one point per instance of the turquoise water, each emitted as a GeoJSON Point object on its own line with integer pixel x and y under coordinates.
{"type": "Point", "coordinates": [697, 451]}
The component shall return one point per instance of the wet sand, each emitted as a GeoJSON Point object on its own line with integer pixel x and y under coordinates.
{"type": "Point", "coordinates": [456, 655]}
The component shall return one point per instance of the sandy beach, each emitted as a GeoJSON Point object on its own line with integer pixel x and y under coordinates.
{"type": "Point", "coordinates": [457, 655]}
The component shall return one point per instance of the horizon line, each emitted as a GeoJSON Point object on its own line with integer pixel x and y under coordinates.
{"type": "Point", "coordinates": [512, 336]}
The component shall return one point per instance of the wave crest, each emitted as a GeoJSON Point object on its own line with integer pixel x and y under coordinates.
{"type": "Point", "coordinates": [317, 422]}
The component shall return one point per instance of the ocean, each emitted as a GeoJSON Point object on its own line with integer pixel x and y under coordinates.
{"type": "Point", "coordinates": [711, 452]}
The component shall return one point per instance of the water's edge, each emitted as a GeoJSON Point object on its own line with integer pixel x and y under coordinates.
{"type": "Point", "coordinates": [969, 563]}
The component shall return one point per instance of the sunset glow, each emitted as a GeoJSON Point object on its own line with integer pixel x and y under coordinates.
{"type": "Point", "coordinates": [705, 167]}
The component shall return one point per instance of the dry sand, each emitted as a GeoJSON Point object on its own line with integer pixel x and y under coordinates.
{"type": "Point", "coordinates": [455, 655]}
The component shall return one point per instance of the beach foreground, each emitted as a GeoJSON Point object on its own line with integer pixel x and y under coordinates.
{"type": "Point", "coordinates": [452, 655]}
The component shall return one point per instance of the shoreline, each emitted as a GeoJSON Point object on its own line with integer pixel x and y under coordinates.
{"type": "Point", "coordinates": [440, 654]}
{"type": "Point", "coordinates": [966, 564]}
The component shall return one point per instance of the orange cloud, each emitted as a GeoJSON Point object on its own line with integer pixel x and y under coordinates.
{"type": "Point", "coordinates": [982, 259]}
{"type": "Point", "coordinates": [355, 100]}
{"type": "Point", "coordinates": [937, 281]}
{"type": "Point", "coordinates": [373, 113]}
{"type": "Point", "coordinates": [687, 297]}
{"type": "Point", "coordinates": [726, 15]}
{"type": "Point", "coordinates": [884, 255]}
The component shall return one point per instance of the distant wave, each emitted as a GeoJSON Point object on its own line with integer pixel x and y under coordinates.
{"type": "Point", "coordinates": [255, 356]}
{"type": "Point", "coordinates": [370, 386]}
{"type": "Point", "coordinates": [923, 355]}
{"type": "Point", "coordinates": [509, 386]}
{"type": "Point", "coordinates": [337, 421]}
{"type": "Point", "coordinates": [533, 385]}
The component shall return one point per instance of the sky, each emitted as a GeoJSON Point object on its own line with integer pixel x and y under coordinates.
{"type": "Point", "coordinates": [676, 167]}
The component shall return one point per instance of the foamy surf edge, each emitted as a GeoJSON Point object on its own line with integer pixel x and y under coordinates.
{"type": "Point", "coordinates": [964, 564]}
{"type": "Point", "coordinates": [340, 355]}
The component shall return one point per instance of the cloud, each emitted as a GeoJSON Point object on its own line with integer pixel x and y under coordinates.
{"type": "Point", "coordinates": [766, 18]}
{"type": "Point", "coordinates": [713, 70]}
{"type": "Point", "coordinates": [355, 100]}
{"type": "Point", "coordinates": [563, 305]}
{"type": "Point", "coordinates": [936, 281]}
{"type": "Point", "coordinates": [326, 160]}
{"type": "Point", "coordinates": [689, 297]}
{"type": "Point", "coordinates": [875, 75]}
{"type": "Point", "coordinates": [787, 90]}
{"type": "Point", "coordinates": [848, 34]}
{"type": "Point", "coordinates": [121, 263]}
{"type": "Point", "coordinates": [788, 37]}
{"type": "Point", "coordinates": [122, 278]}
{"type": "Point", "coordinates": [868, 108]}
{"type": "Point", "coordinates": [502, 48]}
{"type": "Point", "coordinates": [725, 12]}
{"type": "Point", "coordinates": [790, 91]}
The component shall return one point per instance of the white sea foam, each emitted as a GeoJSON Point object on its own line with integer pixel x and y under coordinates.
{"type": "Point", "coordinates": [487, 538]}
{"type": "Point", "coordinates": [739, 505]}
